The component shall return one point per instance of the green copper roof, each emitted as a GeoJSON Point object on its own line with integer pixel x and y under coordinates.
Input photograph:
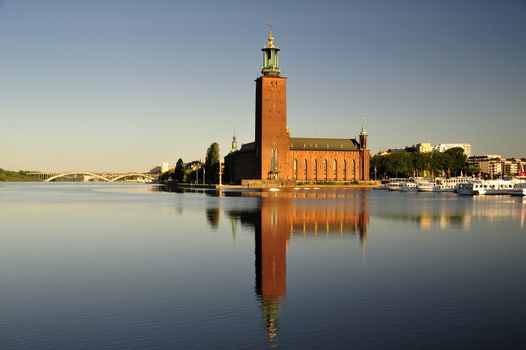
{"type": "Point", "coordinates": [270, 58]}
{"type": "Point", "coordinates": [323, 144]}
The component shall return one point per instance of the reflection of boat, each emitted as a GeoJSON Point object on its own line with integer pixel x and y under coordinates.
{"type": "Point", "coordinates": [519, 189]}
{"type": "Point", "coordinates": [486, 187]}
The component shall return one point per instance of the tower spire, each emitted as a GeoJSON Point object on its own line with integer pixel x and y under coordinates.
{"type": "Point", "coordinates": [270, 55]}
{"type": "Point", "coordinates": [234, 142]}
{"type": "Point", "coordinates": [363, 135]}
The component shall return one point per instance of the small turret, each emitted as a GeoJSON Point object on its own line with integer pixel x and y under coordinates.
{"type": "Point", "coordinates": [363, 138]}
{"type": "Point", "coordinates": [234, 144]}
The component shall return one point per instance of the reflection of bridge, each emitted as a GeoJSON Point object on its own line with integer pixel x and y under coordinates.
{"type": "Point", "coordinates": [90, 176]}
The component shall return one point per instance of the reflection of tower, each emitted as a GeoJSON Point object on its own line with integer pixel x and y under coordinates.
{"type": "Point", "coordinates": [272, 236]}
{"type": "Point", "coordinates": [363, 220]}
{"type": "Point", "coordinates": [233, 222]}
{"type": "Point", "coordinates": [281, 215]}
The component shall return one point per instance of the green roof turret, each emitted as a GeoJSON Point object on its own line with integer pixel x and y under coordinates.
{"type": "Point", "coordinates": [270, 58]}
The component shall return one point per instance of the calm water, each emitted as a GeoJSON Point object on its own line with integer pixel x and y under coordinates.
{"type": "Point", "coordinates": [112, 266]}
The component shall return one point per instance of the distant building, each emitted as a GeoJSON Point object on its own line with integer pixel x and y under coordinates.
{"type": "Point", "coordinates": [490, 165]}
{"type": "Point", "coordinates": [442, 147]}
{"type": "Point", "coordinates": [511, 166]}
{"type": "Point", "coordinates": [424, 147]}
{"type": "Point", "coordinates": [155, 170]}
{"type": "Point", "coordinates": [194, 165]}
{"type": "Point", "coordinates": [492, 168]}
{"type": "Point", "coordinates": [165, 167]}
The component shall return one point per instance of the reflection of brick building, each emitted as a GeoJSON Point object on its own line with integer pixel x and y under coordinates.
{"type": "Point", "coordinates": [297, 214]}
{"type": "Point", "coordinates": [276, 155]}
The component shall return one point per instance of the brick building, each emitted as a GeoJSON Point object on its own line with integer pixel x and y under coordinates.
{"type": "Point", "coordinates": [274, 155]}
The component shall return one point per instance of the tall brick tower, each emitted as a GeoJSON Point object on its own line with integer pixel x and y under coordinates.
{"type": "Point", "coordinates": [364, 155]}
{"type": "Point", "coordinates": [272, 136]}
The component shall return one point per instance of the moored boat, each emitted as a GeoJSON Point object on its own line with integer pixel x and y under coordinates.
{"type": "Point", "coordinates": [519, 189]}
{"type": "Point", "coordinates": [486, 187]}
{"type": "Point", "coordinates": [449, 185]}
{"type": "Point", "coordinates": [408, 187]}
{"type": "Point", "coordinates": [425, 185]}
{"type": "Point", "coordinates": [393, 186]}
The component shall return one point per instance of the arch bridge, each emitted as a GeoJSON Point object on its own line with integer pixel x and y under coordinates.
{"type": "Point", "coordinates": [100, 177]}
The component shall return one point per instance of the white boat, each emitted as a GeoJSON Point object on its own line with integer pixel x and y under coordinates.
{"type": "Point", "coordinates": [396, 184]}
{"type": "Point", "coordinates": [519, 189]}
{"type": "Point", "coordinates": [449, 185]}
{"type": "Point", "coordinates": [486, 187]}
{"type": "Point", "coordinates": [425, 185]}
{"type": "Point", "coordinates": [393, 186]}
{"type": "Point", "coordinates": [408, 187]}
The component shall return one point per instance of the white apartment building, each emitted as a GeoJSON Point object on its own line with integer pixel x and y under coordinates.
{"type": "Point", "coordinates": [511, 167]}
{"type": "Point", "coordinates": [491, 167]}
{"type": "Point", "coordinates": [442, 147]}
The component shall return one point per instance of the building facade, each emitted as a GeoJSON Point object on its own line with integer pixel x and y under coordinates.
{"type": "Point", "coordinates": [494, 165]}
{"type": "Point", "coordinates": [424, 147]}
{"type": "Point", "coordinates": [442, 147]}
{"type": "Point", "coordinates": [274, 155]}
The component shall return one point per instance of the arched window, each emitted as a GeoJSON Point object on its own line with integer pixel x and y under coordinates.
{"type": "Point", "coordinates": [295, 169]}
{"type": "Point", "coordinates": [315, 170]}
{"type": "Point", "coordinates": [325, 169]}
{"type": "Point", "coordinates": [335, 166]}
{"type": "Point", "coordinates": [353, 170]}
{"type": "Point", "coordinates": [305, 169]}
{"type": "Point", "coordinates": [274, 163]}
{"type": "Point", "coordinates": [344, 170]}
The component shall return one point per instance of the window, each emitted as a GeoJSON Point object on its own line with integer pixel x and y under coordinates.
{"type": "Point", "coordinates": [325, 169]}
{"type": "Point", "coordinates": [353, 171]}
{"type": "Point", "coordinates": [335, 166]}
{"type": "Point", "coordinates": [305, 169]}
{"type": "Point", "coordinates": [344, 169]}
{"type": "Point", "coordinates": [315, 170]}
{"type": "Point", "coordinates": [274, 163]}
{"type": "Point", "coordinates": [295, 169]}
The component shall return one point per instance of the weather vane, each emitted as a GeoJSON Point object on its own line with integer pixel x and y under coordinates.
{"type": "Point", "coordinates": [270, 25]}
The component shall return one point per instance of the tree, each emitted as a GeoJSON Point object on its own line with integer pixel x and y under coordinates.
{"type": "Point", "coordinates": [400, 164]}
{"type": "Point", "coordinates": [457, 160]}
{"type": "Point", "coordinates": [212, 163]}
{"type": "Point", "coordinates": [404, 164]}
{"type": "Point", "coordinates": [212, 154]}
{"type": "Point", "coordinates": [166, 176]}
{"type": "Point", "coordinates": [179, 171]}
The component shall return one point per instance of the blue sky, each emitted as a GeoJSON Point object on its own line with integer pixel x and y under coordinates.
{"type": "Point", "coordinates": [124, 85]}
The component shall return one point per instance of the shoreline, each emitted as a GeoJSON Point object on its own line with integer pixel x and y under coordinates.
{"type": "Point", "coordinates": [263, 186]}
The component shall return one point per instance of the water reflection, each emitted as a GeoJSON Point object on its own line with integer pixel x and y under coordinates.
{"type": "Point", "coordinates": [116, 266]}
{"type": "Point", "coordinates": [278, 219]}
{"type": "Point", "coordinates": [446, 211]}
